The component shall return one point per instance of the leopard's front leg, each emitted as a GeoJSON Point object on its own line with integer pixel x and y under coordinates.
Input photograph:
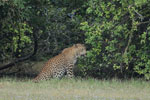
{"type": "Point", "coordinates": [70, 71]}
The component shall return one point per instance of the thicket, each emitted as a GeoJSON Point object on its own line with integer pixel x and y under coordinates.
{"type": "Point", "coordinates": [116, 34]}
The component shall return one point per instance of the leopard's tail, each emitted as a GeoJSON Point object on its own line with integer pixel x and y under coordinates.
{"type": "Point", "coordinates": [36, 79]}
{"type": "Point", "coordinates": [40, 77]}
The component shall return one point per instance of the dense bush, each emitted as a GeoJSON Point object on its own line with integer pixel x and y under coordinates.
{"type": "Point", "coordinates": [15, 33]}
{"type": "Point", "coordinates": [116, 33]}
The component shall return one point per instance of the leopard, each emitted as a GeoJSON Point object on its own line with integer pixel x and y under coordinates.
{"type": "Point", "coordinates": [62, 63]}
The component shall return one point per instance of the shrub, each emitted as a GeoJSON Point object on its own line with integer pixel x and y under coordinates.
{"type": "Point", "coordinates": [118, 35]}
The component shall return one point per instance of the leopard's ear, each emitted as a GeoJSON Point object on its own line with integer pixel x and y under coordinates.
{"type": "Point", "coordinates": [75, 45]}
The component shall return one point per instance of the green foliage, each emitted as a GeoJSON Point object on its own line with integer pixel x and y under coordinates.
{"type": "Point", "coordinates": [20, 35]}
{"type": "Point", "coordinates": [15, 31]}
{"type": "Point", "coordinates": [116, 33]}
{"type": "Point", "coordinates": [142, 65]}
{"type": "Point", "coordinates": [54, 25]}
{"type": "Point", "coordinates": [116, 38]}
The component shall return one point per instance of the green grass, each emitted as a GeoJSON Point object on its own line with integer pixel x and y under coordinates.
{"type": "Point", "coordinates": [74, 89]}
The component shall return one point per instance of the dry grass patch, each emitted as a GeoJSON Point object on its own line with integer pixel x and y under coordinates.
{"type": "Point", "coordinates": [74, 89]}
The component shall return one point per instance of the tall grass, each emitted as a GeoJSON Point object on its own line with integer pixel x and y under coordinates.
{"type": "Point", "coordinates": [74, 89]}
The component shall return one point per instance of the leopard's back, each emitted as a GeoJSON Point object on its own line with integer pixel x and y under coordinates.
{"type": "Point", "coordinates": [51, 68]}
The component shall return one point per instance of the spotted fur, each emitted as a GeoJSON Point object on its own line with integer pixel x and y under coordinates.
{"type": "Point", "coordinates": [63, 63]}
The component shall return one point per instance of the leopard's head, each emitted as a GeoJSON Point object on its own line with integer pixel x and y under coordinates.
{"type": "Point", "coordinates": [80, 50]}
{"type": "Point", "coordinates": [76, 50]}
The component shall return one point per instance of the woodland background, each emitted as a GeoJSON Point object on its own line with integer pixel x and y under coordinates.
{"type": "Point", "coordinates": [115, 32]}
